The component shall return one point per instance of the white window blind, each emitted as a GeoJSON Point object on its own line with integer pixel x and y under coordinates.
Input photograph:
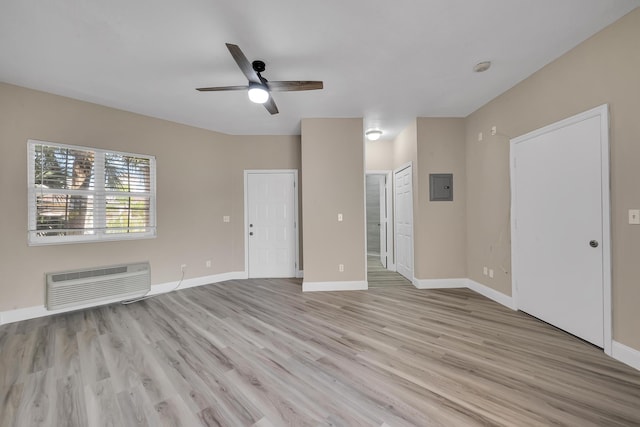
{"type": "Point", "coordinates": [79, 194]}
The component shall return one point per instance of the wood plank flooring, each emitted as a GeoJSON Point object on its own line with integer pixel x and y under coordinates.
{"type": "Point", "coordinates": [261, 353]}
{"type": "Point", "coordinates": [380, 277]}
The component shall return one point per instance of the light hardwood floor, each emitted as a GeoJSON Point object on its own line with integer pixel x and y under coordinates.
{"type": "Point", "coordinates": [260, 352]}
{"type": "Point", "coordinates": [380, 277]}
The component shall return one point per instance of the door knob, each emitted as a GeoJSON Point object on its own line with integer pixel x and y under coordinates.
{"type": "Point", "coordinates": [251, 233]}
{"type": "Point", "coordinates": [593, 243]}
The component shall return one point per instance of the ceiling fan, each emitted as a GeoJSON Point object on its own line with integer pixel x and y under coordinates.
{"type": "Point", "coordinates": [259, 88]}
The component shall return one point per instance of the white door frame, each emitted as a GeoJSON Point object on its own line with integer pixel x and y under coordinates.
{"type": "Point", "coordinates": [391, 265]}
{"type": "Point", "coordinates": [602, 112]}
{"type": "Point", "coordinates": [395, 234]}
{"type": "Point", "coordinates": [294, 172]}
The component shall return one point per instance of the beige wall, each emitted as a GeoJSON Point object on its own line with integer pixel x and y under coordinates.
{"type": "Point", "coordinates": [405, 148]}
{"type": "Point", "coordinates": [440, 227]}
{"type": "Point", "coordinates": [603, 69]}
{"type": "Point", "coordinates": [379, 155]}
{"type": "Point", "coordinates": [433, 145]}
{"type": "Point", "coordinates": [332, 183]}
{"type": "Point", "coordinates": [199, 180]}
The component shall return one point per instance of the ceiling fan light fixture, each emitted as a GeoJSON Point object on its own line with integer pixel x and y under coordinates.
{"type": "Point", "coordinates": [373, 134]}
{"type": "Point", "coordinates": [258, 93]}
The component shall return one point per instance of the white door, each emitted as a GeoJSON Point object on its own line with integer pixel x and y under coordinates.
{"type": "Point", "coordinates": [383, 220]}
{"type": "Point", "coordinates": [271, 224]}
{"type": "Point", "coordinates": [560, 237]}
{"type": "Point", "coordinates": [403, 192]}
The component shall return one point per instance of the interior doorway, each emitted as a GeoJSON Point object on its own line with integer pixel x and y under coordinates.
{"type": "Point", "coordinates": [376, 226]}
{"type": "Point", "coordinates": [378, 218]}
{"type": "Point", "coordinates": [381, 267]}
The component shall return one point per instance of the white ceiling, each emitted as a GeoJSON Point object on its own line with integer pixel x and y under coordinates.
{"type": "Point", "coordinates": [386, 61]}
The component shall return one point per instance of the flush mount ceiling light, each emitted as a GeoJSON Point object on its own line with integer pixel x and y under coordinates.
{"type": "Point", "coordinates": [258, 93]}
{"type": "Point", "coordinates": [482, 66]}
{"type": "Point", "coordinates": [373, 134]}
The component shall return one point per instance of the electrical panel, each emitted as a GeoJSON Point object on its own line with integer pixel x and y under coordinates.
{"type": "Point", "coordinates": [441, 187]}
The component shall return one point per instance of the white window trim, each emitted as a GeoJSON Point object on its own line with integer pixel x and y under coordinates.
{"type": "Point", "coordinates": [100, 193]}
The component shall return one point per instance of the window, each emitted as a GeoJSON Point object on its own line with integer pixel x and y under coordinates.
{"type": "Point", "coordinates": [79, 194]}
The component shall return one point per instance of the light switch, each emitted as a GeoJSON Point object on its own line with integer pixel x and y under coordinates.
{"type": "Point", "coordinates": [339, 217]}
{"type": "Point", "coordinates": [634, 216]}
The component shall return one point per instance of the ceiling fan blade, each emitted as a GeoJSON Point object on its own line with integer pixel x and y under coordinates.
{"type": "Point", "coordinates": [221, 88]}
{"type": "Point", "coordinates": [252, 73]}
{"type": "Point", "coordinates": [270, 105]}
{"type": "Point", "coordinates": [243, 63]}
{"type": "Point", "coordinates": [294, 85]}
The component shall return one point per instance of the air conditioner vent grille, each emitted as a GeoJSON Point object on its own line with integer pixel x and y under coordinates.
{"type": "Point", "coordinates": [80, 287]}
{"type": "Point", "coordinates": [62, 277]}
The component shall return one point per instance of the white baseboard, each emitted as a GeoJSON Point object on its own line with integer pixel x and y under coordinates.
{"type": "Point", "coordinates": [484, 290]}
{"type": "Point", "coordinates": [627, 355]}
{"type": "Point", "coordinates": [27, 313]}
{"type": "Point", "coordinates": [16, 315]}
{"type": "Point", "coordinates": [439, 283]}
{"type": "Point", "coordinates": [492, 294]}
{"type": "Point", "coordinates": [197, 281]}
{"type": "Point", "coordinates": [334, 286]}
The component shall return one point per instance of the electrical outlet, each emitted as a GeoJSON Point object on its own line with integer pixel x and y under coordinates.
{"type": "Point", "coordinates": [339, 217]}
{"type": "Point", "coordinates": [494, 130]}
{"type": "Point", "coordinates": [183, 268]}
{"type": "Point", "coordinates": [485, 270]}
{"type": "Point", "coordinates": [491, 273]}
{"type": "Point", "coordinates": [634, 216]}
{"type": "Point", "coordinates": [226, 218]}
{"type": "Point", "coordinates": [208, 263]}
{"type": "Point", "coordinates": [341, 268]}
{"type": "Point", "coordinates": [479, 136]}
